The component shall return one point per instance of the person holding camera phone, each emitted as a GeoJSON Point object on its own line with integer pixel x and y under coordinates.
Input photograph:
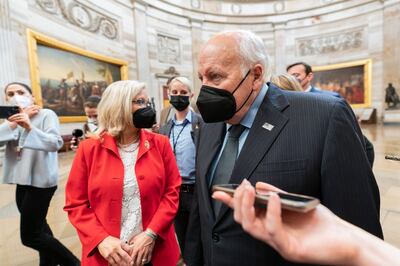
{"type": "Point", "coordinates": [32, 139]}
{"type": "Point", "coordinates": [317, 237]}
{"type": "Point", "coordinates": [122, 192]}
{"type": "Point", "coordinates": [90, 108]}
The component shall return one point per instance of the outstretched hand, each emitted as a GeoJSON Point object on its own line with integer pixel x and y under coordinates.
{"type": "Point", "coordinates": [317, 236]}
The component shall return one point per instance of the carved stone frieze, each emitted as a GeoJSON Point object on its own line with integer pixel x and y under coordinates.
{"type": "Point", "coordinates": [330, 43]}
{"type": "Point", "coordinates": [168, 49]}
{"type": "Point", "coordinates": [82, 16]}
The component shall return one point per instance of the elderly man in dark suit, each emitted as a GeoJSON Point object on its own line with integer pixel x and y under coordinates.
{"type": "Point", "coordinates": [256, 131]}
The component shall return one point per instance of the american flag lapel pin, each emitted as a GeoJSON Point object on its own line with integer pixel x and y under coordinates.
{"type": "Point", "coordinates": [268, 126]}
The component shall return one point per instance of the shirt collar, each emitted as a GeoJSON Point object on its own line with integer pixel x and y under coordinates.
{"type": "Point", "coordinates": [248, 119]}
{"type": "Point", "coordinates": [188, 118]}
{"type": "Point", "coordinates": [308, 89]}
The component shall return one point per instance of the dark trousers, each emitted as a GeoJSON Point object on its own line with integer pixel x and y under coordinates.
{"type": "Point", "coordinates": [33, 203]}
{"type": "Point", "coordinates": [182, 216]}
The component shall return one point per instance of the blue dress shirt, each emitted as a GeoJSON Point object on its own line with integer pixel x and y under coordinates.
{"type": "Point", "coordinates": [183, 147]}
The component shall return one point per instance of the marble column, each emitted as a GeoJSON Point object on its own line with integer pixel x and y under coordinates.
{"type": "Point", "coordinates": [280, 48]}
{"type": "Point", "coordinates": [7, 62]}
{"type": "Point", "coordinates": [196, 46]}
{"type": "Point", "coordinates": [142, 50]}
{"type": "Point", "coordinates": [391, 37]}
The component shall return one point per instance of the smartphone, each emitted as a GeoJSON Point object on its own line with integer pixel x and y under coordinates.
{"type": "Point", "coordinates": [7, 111]}
{"type": "Point", "coordinates": [289, 201]}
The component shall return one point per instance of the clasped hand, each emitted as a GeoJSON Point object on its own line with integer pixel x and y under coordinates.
{"type": "Point", "coordinates": [137, 251]}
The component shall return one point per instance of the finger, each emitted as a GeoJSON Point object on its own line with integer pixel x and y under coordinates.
{"type": "Point", "coordinates": [274, 221]}
{"type": "Point", "coordinates": [237, 202]}
{"type": "Point", "coordinates": [124, 257]}
{"type": "Point", "coordinates": [224, 197]}
{"type": "Point", "coordinates": [127, 248]}
{"type": "Point", "coordinates": [262, 187]}
{"type": "Point", "coordinates": [112, 260]}
{"type": "Point", "coordinates": [140, 257]}
{"type": "Point", "coordinates": [247, 209]}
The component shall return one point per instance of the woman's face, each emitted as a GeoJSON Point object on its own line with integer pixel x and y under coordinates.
{"type": "Point", "coordinates": [140, 101]}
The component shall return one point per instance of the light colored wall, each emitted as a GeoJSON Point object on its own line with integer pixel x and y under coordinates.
{"type": "Point", "coordinates": [29, 14]}
{"type": "Point", "coordinates": [188, 25]}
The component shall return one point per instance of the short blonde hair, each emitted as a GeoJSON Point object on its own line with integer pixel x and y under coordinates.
{"type": "Point", "coordinates": [286, 82]}
{"type": "Point", "coordinates": [184, 81]}
{"type": "Point", "coordinates": [114, 111]}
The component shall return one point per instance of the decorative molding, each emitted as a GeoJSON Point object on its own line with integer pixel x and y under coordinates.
{"type": "Point", "coordinates": [236, 9]}
{"type": "Point", "coordinates": [82, 16]}
{"type": "Point", "coordinates": [336, 42]}
{"type": "Point", "coordinates": [169, 72]}
{"type": "Point", "coordinates": [279, 7]}
{"type": "Point", "coordinates": [195, 4]}
{"type": "Point", "coordinates": [168, 49]}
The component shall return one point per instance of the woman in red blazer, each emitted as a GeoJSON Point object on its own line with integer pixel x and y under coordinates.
{"type": "Point", "coordinates": [122, 191]}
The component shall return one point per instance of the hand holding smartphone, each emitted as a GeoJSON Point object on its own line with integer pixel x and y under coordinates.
{"type": "Point", "coordinates": [7, 111]}
{"type": "Point", "coordinates": [289, 201]}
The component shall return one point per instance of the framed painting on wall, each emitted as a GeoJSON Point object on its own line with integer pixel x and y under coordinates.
{"type": "Point", "coordinates": [352, 80]}
{"type": "Point", "coordinates": [64, 76]}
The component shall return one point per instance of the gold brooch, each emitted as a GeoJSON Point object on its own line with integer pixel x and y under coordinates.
{"type": "Point", "coordinates": [147, 144]}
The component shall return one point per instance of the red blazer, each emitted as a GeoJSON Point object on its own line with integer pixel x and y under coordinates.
{"type": "Point", "coordinates": [94, 194]}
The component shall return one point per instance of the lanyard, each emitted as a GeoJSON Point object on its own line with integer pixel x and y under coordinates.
{"type": "Point", "coordinates": [175, 141]}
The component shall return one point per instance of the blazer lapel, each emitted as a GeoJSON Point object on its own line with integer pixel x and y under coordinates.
{"type": "Point", "coordinates": [266, 127]}
{"type": "Point", "coordinates": [210, 143]}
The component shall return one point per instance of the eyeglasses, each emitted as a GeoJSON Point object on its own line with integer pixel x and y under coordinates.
{"type": "Point", "coordinates": [141, 102]}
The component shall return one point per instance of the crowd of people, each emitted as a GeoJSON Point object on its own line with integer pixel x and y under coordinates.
{"type": "Point", "coordinates": [139, 191]}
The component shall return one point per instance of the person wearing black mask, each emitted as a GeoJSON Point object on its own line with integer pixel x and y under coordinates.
{"type": "Point", "coordinates": [256, 131]}
{"type": "Point", "coordinates": [122, 193]}
{"type": "Point", "coordinates": [183, 131]}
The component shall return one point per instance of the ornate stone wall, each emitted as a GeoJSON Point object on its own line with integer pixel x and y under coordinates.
{"type": "Point", "coordinates": [154, 35]}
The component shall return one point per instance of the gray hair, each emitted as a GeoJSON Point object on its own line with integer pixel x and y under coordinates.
{"type": "Point", "coordinates": [251, 50]}
{"type": "Point", "coordinates": [184, 81]}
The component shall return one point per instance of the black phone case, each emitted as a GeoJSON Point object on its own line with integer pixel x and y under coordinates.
{"type": "Point", "coordinates": [7, 111]}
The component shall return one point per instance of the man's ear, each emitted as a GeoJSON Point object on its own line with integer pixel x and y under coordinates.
{"type": "Point", "coordinates": [310, 76]}
{"type": "Point", "coordinates": [258, 71]}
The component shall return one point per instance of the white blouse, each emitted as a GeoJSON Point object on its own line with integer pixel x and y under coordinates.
{"type": "Point", "coordinates": [131, 219]}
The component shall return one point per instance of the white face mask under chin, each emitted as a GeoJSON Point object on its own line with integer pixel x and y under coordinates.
{"type": "Point", "coordinates": [21, 101]}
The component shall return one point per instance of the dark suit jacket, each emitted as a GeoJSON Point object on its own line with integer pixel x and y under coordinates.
{"type": "Point", "coordinates": [369, 147]}
{"type": "Point", "coordinates": [320, 154]}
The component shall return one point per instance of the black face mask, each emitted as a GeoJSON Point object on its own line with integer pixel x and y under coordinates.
{"type": "Point", "coordinates": [144, 117]}
{"type": "Point", "coordinates": [179, 102]}
{"type": "Point", "coordinates": [217, 105]}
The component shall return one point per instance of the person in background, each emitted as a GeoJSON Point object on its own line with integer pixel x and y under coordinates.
{"type": "Point", "coordinates": [167, 112]}
{"type": "Point", "coordinates": [32, 139]}
{"type": "Point", "coordinates": [317, 237]}
{"type": "Point", "coordinates": [304, 74]}
{"type": "Point", "coordinates": [183, 131]}
{"type": "Point", "coordinates": [123, 188]}
{"type": "Point", "coordinates": [286, 82]}
{"type": "Point", "coordinates": [90, 108]}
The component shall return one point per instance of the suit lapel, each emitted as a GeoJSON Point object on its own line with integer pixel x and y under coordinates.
{"type": "Point", "coordinates": [260, 138]}
{"type": "Point", "coordinates": [210, 143]}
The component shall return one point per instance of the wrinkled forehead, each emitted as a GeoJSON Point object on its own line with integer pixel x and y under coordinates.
{"type": "Point", "coordinates": [220, 52]}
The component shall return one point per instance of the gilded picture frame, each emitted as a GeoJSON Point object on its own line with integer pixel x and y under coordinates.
{"type": "Point", "coordinates": [63, 76]}
{"type": "Point", "coordinates": [352, 80]}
